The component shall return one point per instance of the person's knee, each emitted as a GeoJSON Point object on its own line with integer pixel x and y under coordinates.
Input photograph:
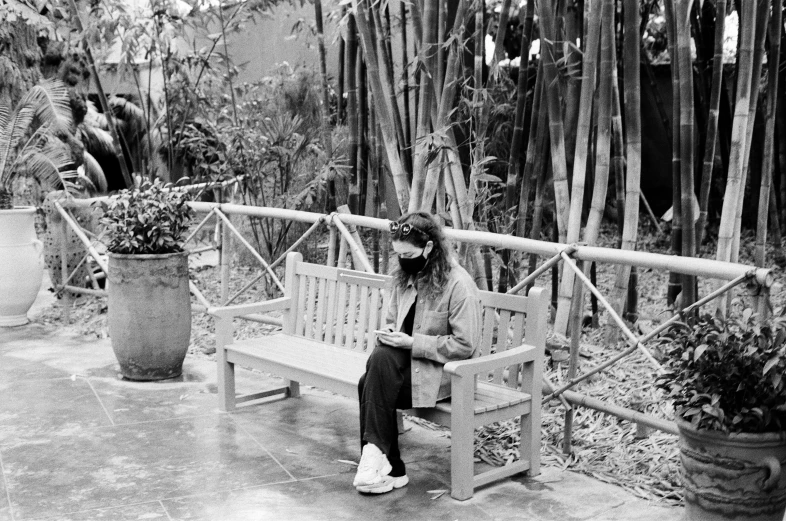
{"type": "Point", "coordinates": [361, 385]}
{"type": "Point", "coordinates": [382, 356]}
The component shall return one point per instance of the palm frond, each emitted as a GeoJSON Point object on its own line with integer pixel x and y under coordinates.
{"type": "Point", "coordinates": [94, 173]}
{"type": "Point", "coordinates": [51, 103]}
{"type": "Point", "coordinates": [43, 169]}
{"type": "Point", "coordinates": [127, 111]}
{"type": "Point", "coordinates": [5, 116]}
{"type": "Point", "coordinates": [94, 118]}
{"type": "Point", "coordinates": [96, 140]}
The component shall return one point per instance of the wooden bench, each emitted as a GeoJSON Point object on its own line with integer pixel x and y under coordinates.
{"type": "Point", "coordinates": [329, 315]}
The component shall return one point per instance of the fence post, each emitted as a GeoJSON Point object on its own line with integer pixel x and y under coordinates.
{"type": "Point", "coordinates": [224, 258]}
{"type": "Point", "coordinates": [65, 295]}
{"type": "Point", "coordinates": [576, 308]}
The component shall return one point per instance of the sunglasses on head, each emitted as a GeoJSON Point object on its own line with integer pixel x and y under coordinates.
{"type": "Point", "coordinates": [404, 229]}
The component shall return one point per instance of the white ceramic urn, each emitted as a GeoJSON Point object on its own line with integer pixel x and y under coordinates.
{"type": "Point", "coordinates": [21, 265]}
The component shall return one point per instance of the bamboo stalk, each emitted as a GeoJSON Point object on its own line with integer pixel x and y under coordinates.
{"type": "Point", "coordinates": [603, 143]}
{"type": "Point", "coordinates": [327, 137]}
{"type": "Point", "coordinates": [514, 161]}
{"type": "Point", "coordinates": [576, 306]}
{"type": "Point", "coordinates": [682, 11]}
{"type": "Point", "coordinates": [762, 17]}
{"type": "Point", "coordinates": [535, 142]}
{"type": "Point", "coordinates": [399, 175]}
{"type": "Point", "coordinates": [405, 77]}
{"type": "Point", "coordinates": [708, 164]}
{"type": "Point", "coordinates": [388, 76]}
{"type": "Point", "coordinates": [554, 99]}
{"type": "Point", "coordinates": [342, 48]}
{"type": "Point", "coordinates": [632, 80]}
{"type": "Point", "coordinates": [502, 29]}
{"type": "Point", "coordinates": [427, 58]}
{"type": "Point", "coordinates": [734, 187]}
{"type": "Point", "coordinates": [617, 153]}
{"type": "Point", "coordinates": [765, 191]}
{"type": "Point", "coordinates": [675, 284]}
{"type": "Point", "coordinates": [364, 111]}
{"type": "Point", "coordinates": [580, 157]}
{"type": "Point", "coordinates": [573, 59]}
{"type": "Point", "coordinates": [439, 72]}
{"type": "Point", "coordinates": [351, 62]}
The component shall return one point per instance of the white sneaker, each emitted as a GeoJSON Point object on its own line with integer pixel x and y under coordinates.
{"type": "Point", "coordinates": [373, 466]}
{"type": "Point", "coordinates": [387, 484]}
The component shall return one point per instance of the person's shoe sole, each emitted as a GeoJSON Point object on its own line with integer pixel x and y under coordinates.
{"type": "Point", "coordinates": [386, 485]}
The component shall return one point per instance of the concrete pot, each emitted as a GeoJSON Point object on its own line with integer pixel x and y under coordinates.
{"type": "Point", "coordinates": [21, 265]}
{"type": "Point", "coordinates": [149, 314]}
{"type": "Point", "coordinates": [732, 476]}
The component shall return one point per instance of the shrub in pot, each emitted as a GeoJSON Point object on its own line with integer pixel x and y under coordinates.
{"type": "Point", "coordinates": [149, 301]}
{"type": "Point", "coordinates": [726, 377]}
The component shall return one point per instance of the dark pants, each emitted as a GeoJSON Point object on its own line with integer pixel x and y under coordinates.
{"type": "Point", "coordinates": [386, 386]}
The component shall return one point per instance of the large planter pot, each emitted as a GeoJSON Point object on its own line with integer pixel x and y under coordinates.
{"type": "Point", "coordinates": [732, 476]}
{"type": "Point", "coordinates": [149, 314]}
{"type": "Point", "coordinates": [21, 265]}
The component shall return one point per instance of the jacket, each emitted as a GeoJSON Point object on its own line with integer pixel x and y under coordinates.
{"type": "Point", "coordinates": [447, 327]}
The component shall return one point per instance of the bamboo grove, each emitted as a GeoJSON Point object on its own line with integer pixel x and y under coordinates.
{"type": "Point", "coordinates": [435, 125]}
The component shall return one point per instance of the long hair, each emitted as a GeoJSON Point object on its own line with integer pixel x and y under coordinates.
{"type": "Point", "coordinates": [425, 228]}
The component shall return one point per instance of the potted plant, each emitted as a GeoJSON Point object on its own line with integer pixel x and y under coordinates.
{"type": "Point", "coordinates": [726, 377]}
{"type": "Point", "coordinates": [30, 148]}
{"type": "Point", "coordinates": [149, 302]}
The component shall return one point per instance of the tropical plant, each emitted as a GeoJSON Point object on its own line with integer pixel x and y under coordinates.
{"type": "Point", "coordinates": [150, 218]}
{"type": "Point", "coordinates": [726, 373]}
{"type": "Point", "coordinates": [30, 144]}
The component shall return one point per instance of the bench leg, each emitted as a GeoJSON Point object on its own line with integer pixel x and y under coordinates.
{"type": "Point", "coordinates": [462, 436]}
{"type": "Point", "coordinates": [226, 382]}
{"type": "Point", "coordinates": [293, 389]}
{"type": "Point", "coordinates": [225, 370]}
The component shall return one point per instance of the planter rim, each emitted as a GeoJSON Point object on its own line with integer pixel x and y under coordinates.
{"type": "Point", "coordinates": [687, 428]}
{"type": "Point", "coordinates": [146, 256]}
{"type": "Point", "coordinates": [18, 210]}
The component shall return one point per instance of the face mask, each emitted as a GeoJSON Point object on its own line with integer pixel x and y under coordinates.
{"type": "Point", "coordinates": [414, 265]}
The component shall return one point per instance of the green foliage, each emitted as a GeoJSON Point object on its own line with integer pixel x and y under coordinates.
{"type": "Point", "coordinates": [149, 219]}
{"type": "Point", "coordinates": [30, 144]}
{"type": "Point", "coordinates": [727, 373]}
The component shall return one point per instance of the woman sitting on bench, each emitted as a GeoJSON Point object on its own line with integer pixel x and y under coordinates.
{"type": "Point", "coordinates": [434, 317]}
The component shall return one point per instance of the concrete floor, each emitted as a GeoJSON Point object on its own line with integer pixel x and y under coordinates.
{"type": "Point", "coordinates": [78, 443]}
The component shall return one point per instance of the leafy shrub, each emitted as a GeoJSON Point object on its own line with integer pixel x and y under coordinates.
{"type": "Point", "coordinates": [727, 373]}
{"type": "Point", "coordinates": [149, 219]}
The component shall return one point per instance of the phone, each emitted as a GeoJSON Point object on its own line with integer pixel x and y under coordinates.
{"type": "Point", "coordinates": [382, 331]}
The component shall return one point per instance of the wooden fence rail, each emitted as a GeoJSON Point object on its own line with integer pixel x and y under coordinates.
{"type": "Point", "coordinates": [342, 228]}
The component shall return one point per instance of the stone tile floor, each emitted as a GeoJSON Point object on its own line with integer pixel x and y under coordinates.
{"type": "Point", "coordinates": [78, 443]}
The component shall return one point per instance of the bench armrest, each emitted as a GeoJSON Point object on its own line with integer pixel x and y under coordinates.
{"type": "Point", "coordinates": [267, 306]}
{"type": "Point", "coordinates": [518, 355]}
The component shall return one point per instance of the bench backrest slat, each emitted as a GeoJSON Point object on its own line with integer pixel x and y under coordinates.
{"type": "Point", "coordinates": [311, 318]}
{"type": "Point", "coordinates": [343, 307]}
{"type": "Point", "coordinates": [319, 319]}
{"type": "Point", "coordinates": [349, 323]}
{"type": "Point", "coordinates": [363, 312]}
{"type": "Point", "coordinates": [330, 312]}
